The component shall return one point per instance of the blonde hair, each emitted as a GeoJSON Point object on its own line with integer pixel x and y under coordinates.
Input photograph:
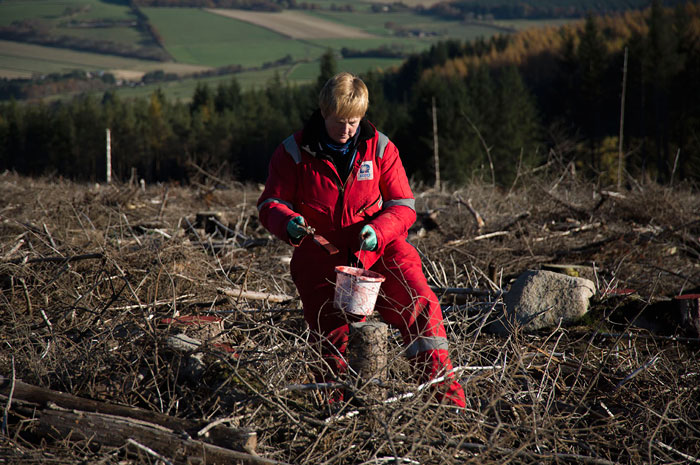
{"type": "Point", "coordinates": [344, 95]}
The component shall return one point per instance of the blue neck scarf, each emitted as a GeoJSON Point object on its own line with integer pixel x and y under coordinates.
{"type": "Point", "coordinates": [332, 147]}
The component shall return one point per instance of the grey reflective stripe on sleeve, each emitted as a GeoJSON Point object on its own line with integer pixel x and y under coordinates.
{"type": "Point", "coordinates": [291, 146]}
{"type": "Point", "coordinates": [382, 142]}
{"type": "Point", "coordinates": [273, 200]}
{"type": "Point", "coordinates": [424, 344]}
{"type": "Point", "coordinates": [410, 203]}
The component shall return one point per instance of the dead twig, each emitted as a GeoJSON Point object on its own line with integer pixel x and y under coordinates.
{"type": "Point", "coordinates": [477, 238]}
{"type": "Point", "coordinates": [480, 223]}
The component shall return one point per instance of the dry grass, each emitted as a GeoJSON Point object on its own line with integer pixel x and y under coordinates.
{"type": "Point", "coordinates": [91, 326]}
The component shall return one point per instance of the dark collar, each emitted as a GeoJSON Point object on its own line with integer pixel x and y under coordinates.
{"type": "Point", "coordinates": [311, 135]}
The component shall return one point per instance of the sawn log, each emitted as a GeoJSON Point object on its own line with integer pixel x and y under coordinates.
{"type": "Point", "coordinates": [116, 431]}
{"type": "Point", "coordinates": [241, 439]}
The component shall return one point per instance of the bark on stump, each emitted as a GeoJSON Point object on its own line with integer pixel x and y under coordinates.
{"type": "Point", "coordinates": [367, 356]}
{"type": "Point", "coordinates": [689, 306]}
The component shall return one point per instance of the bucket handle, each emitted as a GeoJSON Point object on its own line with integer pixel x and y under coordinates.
{"type": "Point", "coordinates": [359, 255]}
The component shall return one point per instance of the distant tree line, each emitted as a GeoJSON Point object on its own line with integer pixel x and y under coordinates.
{"type": "Point", "coordinates": [462, 9]}
{"type": "Point", "coordinates": [55, 83]}
{"type": "Point", "coordinates": [260, 5]}
{"type": "Point", "coordinates": [502, 105]}
{"type": "Point", "coordinates": [534, 9]}
{"type": "Point", "coordinates": [256, 5]}
{"type": "Point", "coordinates": [383, 51]}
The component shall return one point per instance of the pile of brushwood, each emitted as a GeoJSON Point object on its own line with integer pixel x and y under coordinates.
{"type": "Point", "coordinates": [159, 324]}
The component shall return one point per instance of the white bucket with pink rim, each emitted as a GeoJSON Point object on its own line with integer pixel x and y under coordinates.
{"type": "Point", "coordinates": [356, 290]}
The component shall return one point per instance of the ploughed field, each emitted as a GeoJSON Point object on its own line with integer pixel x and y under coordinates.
{"type": "Point", "coordinates": [96, 282]}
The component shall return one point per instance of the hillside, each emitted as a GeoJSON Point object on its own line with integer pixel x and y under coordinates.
{"type": "Point", "coordinates": [92, 276]}
{"type": "Point", "coordinates": [95, 36]}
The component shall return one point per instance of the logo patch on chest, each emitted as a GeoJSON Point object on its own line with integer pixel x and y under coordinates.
{"type": "Point", "coordinates": [366, 172]}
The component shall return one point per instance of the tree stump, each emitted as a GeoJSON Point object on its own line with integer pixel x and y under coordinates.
{"type": "Point", "coordinates": [689, 306]}
{"type": "Point", "coordinates": [367, 356]}
{"type": "Point", "coordinates": [210, 221]}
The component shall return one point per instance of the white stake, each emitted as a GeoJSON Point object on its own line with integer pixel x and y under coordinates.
{"type": "Point", "coordinates": [109, 156]}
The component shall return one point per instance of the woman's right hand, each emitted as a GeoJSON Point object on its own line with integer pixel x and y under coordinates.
{"type": "Point", "coordinates": [297, 228]}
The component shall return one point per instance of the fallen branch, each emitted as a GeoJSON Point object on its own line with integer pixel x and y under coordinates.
{"type": "Point", "coordinates": [477, 217]}
{"type": "Point", "coordinates": [513, 221]}
{"type": "Point", "coordinates": [464, 291]}
{"type": "Point", "coordinates": [578, 210]}
{"type": "Point", "coordinates": [687, 457]}
{"type": "Point", "coordinates": [229, 232]}
{"type": "Point", "coordinates": [14, 249]}
{"type": "Point", "coordinates": [585, 227]}
{"type": "Point", "coordinates": [159, 303]}
{"type": "Point", "coordinates": [636, 372]}
{"type": "Point", "coordinates": [654, 337]}
{"type": "Point", "coordinates": [207, 174]}
{"type": "Point", "coordinates": [585, 247]}
{"type": "Point", "coordinates": [238, 293]}
{"type": "Point", "coordinates": [240, 439]}
{"type": "Point", "coordinates": [149, 451]}
{"type": "Point", "coordinates": [62, 260]}
{"type": "Point", "coordinates": [577, 458]}
{"type": "Point", "coordinates": [418, 390]}
{"type": "Point", "coordinates": [477, 238]}
{"type": "Point", "coordinates": [115, 431]}
{"type": "Point", "coordinates": [613, 194]}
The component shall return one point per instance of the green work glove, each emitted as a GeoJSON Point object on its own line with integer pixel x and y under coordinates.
{"type": "Point", "coordinates": [369, 238]}
{"type": "Point", "coordinates": [296, 228]}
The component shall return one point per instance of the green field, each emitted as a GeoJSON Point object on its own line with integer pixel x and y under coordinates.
{"type": "Point", "coordinates": [55, 17]}
{"type": "Point", "coordinates": [198, 37]}
{"type": "Point", "coordinates": [375, 23]}
{"type": "Point", "coordinates": [328, 4]}
{"type": "Point", "coordinates": [184, 89]}
{"type": "Point", "coordinates": [26, 60]}
{"type": "Point", "coordinates": [308, 72]}
{"type": "Point", "coordinates": [51, 12]}
{"type": "Point", "coordinates": [127, 35]}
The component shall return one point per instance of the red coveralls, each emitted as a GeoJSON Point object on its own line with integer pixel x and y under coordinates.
{"type": "Point", "coordinates": [376, 193]}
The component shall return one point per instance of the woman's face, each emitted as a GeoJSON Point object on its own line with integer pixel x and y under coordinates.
{"type": "Point", "coordinates": [340, 129]}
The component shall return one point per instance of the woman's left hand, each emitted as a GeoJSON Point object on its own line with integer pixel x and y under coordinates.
{"type": "Point", "coordinates": [369, 238]}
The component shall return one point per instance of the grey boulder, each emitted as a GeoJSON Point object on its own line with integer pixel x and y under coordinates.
{"type": "Point", "coordinates": [544, 299]}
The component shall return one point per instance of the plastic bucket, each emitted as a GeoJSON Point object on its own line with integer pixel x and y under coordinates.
{"type": "Point", "coordinates": [356, 289]}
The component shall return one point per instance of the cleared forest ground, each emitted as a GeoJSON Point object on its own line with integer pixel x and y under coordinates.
{"type": "Point", "coordinates": [92, 277]}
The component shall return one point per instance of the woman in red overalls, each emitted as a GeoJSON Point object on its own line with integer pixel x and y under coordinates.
{"type": "Point", "coordinates": [344, 178]}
